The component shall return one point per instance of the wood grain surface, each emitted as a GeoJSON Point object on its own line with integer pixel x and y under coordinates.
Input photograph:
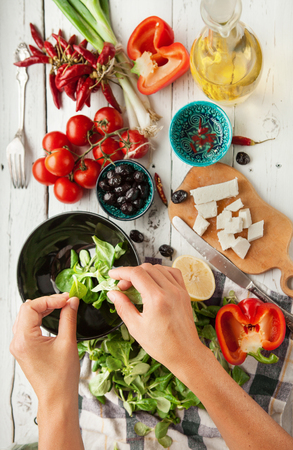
{"type": "Point", "coordinates": [268, 252]}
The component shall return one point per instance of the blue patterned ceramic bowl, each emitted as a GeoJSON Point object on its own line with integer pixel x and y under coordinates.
{"type": "Point", "coordinates": [200, 133]}
{"type": "Point", "coordinates": [114, 211]}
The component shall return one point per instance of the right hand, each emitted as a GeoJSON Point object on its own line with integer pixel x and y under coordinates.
{"type": "Point", "coordinates": [165, 328]}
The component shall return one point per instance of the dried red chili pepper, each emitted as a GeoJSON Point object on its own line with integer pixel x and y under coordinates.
{"type": "Point", "coordinates": [245, 141]}
{"type": "Point", "coordinates": [55, 92]}
{"type": "Point", "coordinates": [59, 73]}
{"type": "Point", "coordinates": [73, 73]}
{"type": "Point", "coordinates": [50, 49]}
{"type": "Point", "coordinates": [83, 93]}
{"type": "Point", "coordinates": [44, 59]}
{"type": "Point", "coordinates": [64, 44]}
{"type": "Point", "coordinates": [160, 189]}
{"type": "Point", "coordinates": [88, 55]}
{"type": "Point", "coordinates": [88, 101]}
{"type": "Point", "coordinates": [60, 32]}
{"type": "Point", "coordinates": [35, 51]}
{"type": "Point", "coordinates": [84, 43]}
{"type": "Point", "coordinates": [37, 37]}
{"type": "Point", "coordinates": [109, 96]}
{"type": "Point", "coordinates": [72, 40]}
{"type": "Point", "coordinates": [70, 90]}
{"type": "Point", "coordinates": [107, 53]}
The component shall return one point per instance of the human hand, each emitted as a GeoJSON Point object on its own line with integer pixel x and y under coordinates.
{"type": "Point", "coordinates": [165, 328]}
{"type": "Point", "coordinates": [51, 364]}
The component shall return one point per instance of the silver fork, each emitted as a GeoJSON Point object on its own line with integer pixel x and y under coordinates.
{"type": "Point", "coordinates": [15, 151]}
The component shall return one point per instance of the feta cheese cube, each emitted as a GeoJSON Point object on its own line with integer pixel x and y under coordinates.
{"type": "Point", "coordinates": [246, 217]}
{"type": "Point", "coordinates": [200, 225]}
{"type": "Point", "coordinates": [255, 231]}
{"type": "Point", "coordinates": [235, 225]}
{"type": "Point", "coordinates": [235, 206]}
{"type": "Point", "coordinates": [226, 239]}
{"type": "Point", "coordinates": [241, 247]}
{"type": "Point", "coordinates": [207, 210]}
{"type": "Point", "coordinates": [215, 192]}
{"type": "Point", "coordinates": [223, 219]}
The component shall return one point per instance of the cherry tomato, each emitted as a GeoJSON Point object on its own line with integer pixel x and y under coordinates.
{"type": "Point", "coordinates": [78, 129]}
{"type": "Point", "coordinates": [139, 145]}
{"type": "Point", "coordinates": [60, 162]}
{"type": "Point", "coordinates": [87, 173]}
{"type": "Point", "coordinates": [112, 120]}
{"type": "Point", "coordinates": [109, 147]}
{"type": "Point", "coordinates": [66, 191]}
{"type": "Point", "coordinates": [41, 174]}
{"type": "Point", "coordinates": [55, 139]}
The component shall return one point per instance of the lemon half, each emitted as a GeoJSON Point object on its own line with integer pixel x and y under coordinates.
{"type": "Point", "coordinates": [198, 277]}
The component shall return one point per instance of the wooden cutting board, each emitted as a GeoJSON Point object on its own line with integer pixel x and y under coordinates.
{"type": "Point", "coordinates": [268, 252]}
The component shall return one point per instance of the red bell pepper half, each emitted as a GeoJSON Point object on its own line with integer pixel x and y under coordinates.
{"type": "Point", "coordinates": [247, 328]}
{"type": "Point", "coordinates": [158, 59]}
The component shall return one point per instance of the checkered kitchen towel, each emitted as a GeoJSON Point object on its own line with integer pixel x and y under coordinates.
{"type": "Point", "coordinates": [270, 386]}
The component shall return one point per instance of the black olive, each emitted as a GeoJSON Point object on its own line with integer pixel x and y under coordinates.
{"type": "Point", "coordinates": [127, 208]}
{"type": "Point", "coordinates": [105, 186]}
{"type": "Point", "coordinates": [136, 236]}
{"type": "Point", "coordinates": [138, 176]}
{"type": "Point", "coordinates": [138, 203]}
{"type": "Point", "coordinates": [115, 180]}
{"type": "Point", "coordinates": [166, 250]}
{"type": "Point", "coordinates": [120, 200]}
{"type": "Point", "coordinates": [129, 179]}
{"type": "Point", "coordinates": [132, 194]}
{"type": "Point", "coordinates": [123, 169]}
{"type": "Point", "coordinates": [110, 174]}
{"type": "Point", "coordinates": [242, 158]}
{"type": "Point", "coordinates": [110, 198]}
{"type": "Point", "coordinates": [179, 196]}
{"type": "Point", "coordinates": [144, 190]}
{"type": "Point", "coordinates": [122, 189]}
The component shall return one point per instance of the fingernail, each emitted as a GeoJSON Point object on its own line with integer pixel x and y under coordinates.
{"type": "Point", "coordinates": [112, 296]}
{"type": "Point", "coordinates": [74, 303]}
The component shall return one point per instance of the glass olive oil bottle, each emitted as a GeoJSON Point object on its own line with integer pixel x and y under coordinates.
{"type": "Point", "coordinates": [226, 58]}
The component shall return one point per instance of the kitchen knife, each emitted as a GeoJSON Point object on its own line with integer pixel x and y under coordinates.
{"type": "Point", "coordinates": [225, 266]}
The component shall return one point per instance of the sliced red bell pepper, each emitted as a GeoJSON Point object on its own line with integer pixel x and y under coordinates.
{"type": "Point", "coordinates": [247, 328]}
{"type": "Point", "coordinates": [158, 59]}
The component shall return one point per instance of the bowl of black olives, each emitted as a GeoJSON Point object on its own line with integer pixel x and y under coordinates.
{"type": "Point", "coordinates": [125, 190]}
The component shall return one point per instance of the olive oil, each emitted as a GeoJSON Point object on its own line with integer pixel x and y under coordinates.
{"type": "Point", "coordinates": [226, 63]}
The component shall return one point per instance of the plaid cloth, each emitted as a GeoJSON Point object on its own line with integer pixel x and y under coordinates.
{"type": "Point", "coordinates": [103, 426]}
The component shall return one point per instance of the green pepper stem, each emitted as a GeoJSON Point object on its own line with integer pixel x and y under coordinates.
{"type": "Point", "coordinates": [272, 359]}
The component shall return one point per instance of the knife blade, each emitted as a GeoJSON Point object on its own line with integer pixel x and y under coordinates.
{"type": "Point", "coordinates": [224, 265]}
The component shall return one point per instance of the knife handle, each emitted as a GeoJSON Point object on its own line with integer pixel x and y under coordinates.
{"type": "Point", "coordinates": [265, 298]}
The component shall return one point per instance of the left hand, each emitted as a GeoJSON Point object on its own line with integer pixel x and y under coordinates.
{"type": "Point", "coordinates": [51, 364]}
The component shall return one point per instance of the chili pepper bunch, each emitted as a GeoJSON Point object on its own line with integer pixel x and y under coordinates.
{"type": "Point", "coordinates": [75, 70]}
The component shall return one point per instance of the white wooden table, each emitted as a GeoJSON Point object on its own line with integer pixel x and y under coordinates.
{"type": "Point", "coordinates": [268, 113]}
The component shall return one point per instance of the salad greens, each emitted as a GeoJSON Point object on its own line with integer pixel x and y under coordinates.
{"type": "Point", "coordinates": [144, 384]}
{"type": "Point", "coordinates": [88, 279]}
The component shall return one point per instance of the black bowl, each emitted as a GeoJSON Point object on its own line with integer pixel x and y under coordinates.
{"type": "Point", "coordinates": [47, 251]}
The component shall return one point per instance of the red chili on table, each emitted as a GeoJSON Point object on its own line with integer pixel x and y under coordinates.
{"type": "Point", "coordinates": [55, 92]}
{"type": "Point", "coordinates": [107, 53]}
{"type": "Point", "coordinates": [109, 96]}
{"type": "Point", "coordinates": [160, 189]}
{"type": "Point", "coordinates": [245, 141]}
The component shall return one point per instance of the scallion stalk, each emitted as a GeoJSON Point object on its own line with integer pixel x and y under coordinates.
{"type": "Point", "coordinates": [80, 24]}
{"type": "Point", "coordinates": [102, 25]}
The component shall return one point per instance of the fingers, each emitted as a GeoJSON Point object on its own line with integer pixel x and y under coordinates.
{"type": "Point", "coordinates": [147, 276]}
{"type": "Point", "coordinates": [31, 312]}
{"type": "Point", "coordinates": [126, 310]}
{"type": "Point", "coordinates": [137, 276]}
{"type": "Point", "coordinates": [124, 285]}
{"type": "Point", "coordinates": [68, 319]}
